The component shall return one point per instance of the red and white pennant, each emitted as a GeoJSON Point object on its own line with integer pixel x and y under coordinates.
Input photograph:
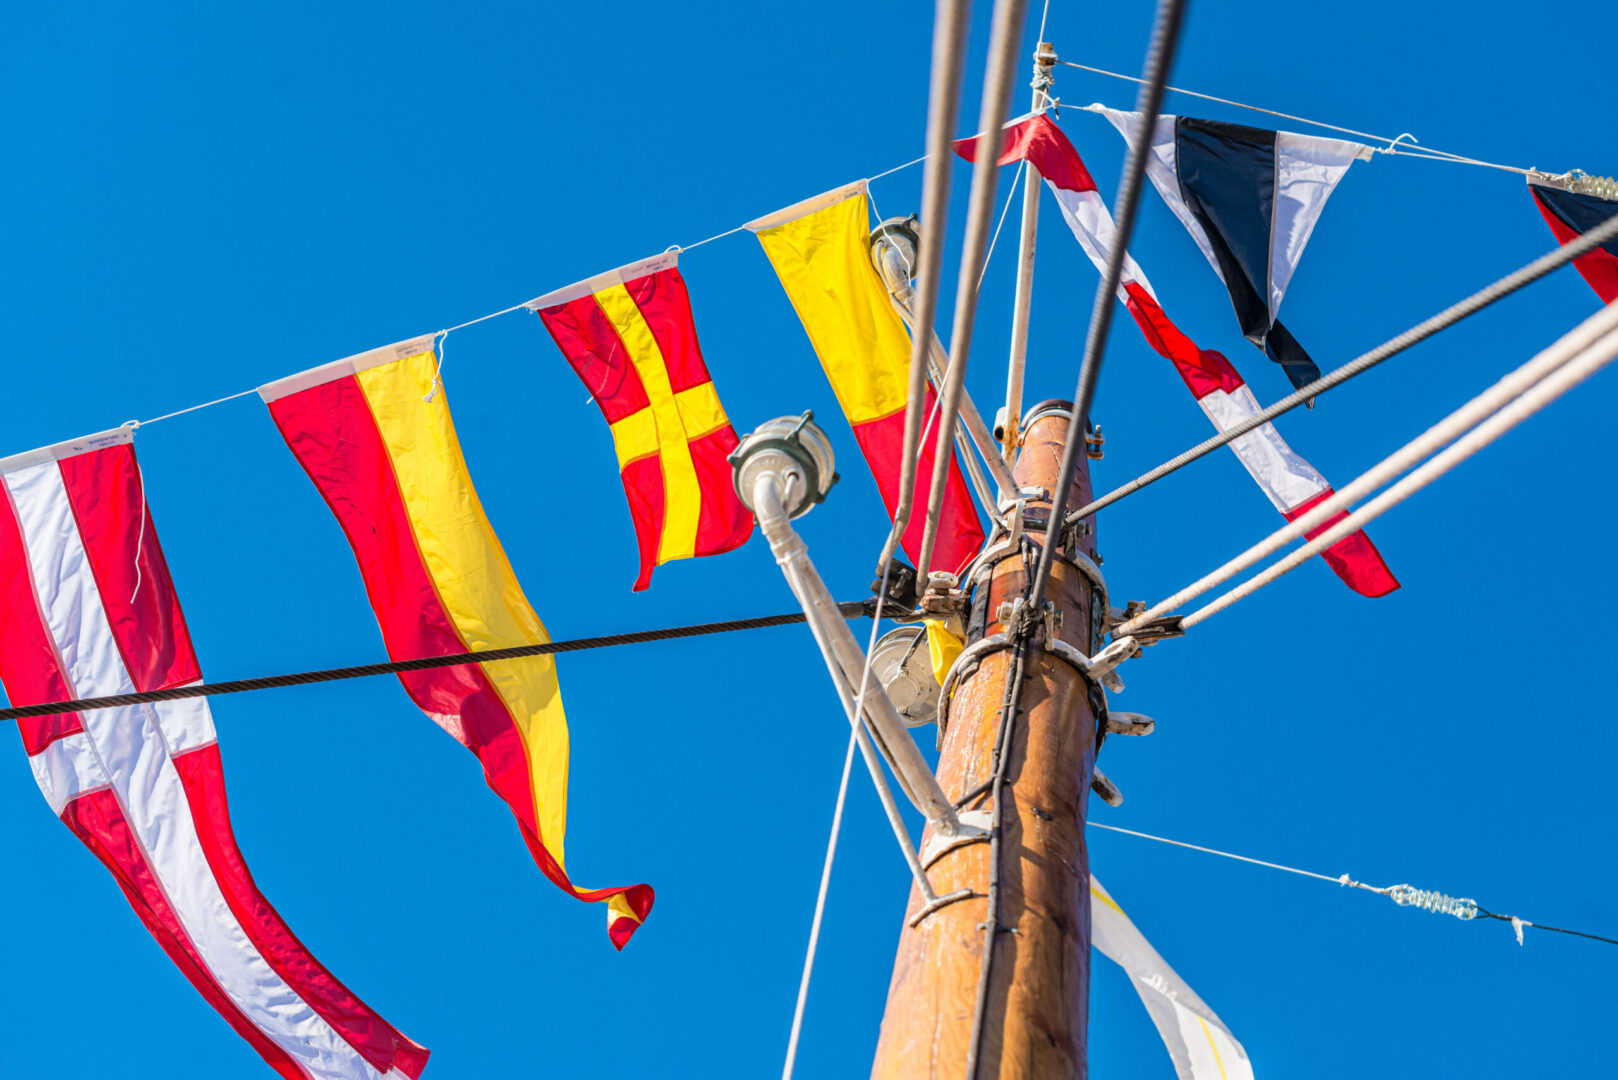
{"type": "Point", "coordinates": [1291, 483]}
{"type": "Point", "coordinates": [87, 609]}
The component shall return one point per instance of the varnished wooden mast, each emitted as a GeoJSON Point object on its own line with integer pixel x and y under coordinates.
{"type": "Point", "coordinates": [1037, 1001]}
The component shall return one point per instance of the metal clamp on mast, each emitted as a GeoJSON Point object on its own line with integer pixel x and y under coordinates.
{"type": "Point", "coordinates": [782, 470]}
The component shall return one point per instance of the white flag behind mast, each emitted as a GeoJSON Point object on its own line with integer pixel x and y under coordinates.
{"type": "Point", "coordinates": [1200, 1044]}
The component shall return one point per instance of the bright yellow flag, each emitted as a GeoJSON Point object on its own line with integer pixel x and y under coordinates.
{"type": "Point", "coordinates": [820, 250]}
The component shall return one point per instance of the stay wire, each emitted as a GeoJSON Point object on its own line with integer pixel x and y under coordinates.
{"type": "Point", "coordinates": [1471, 305]}
{"type": "Point", "coordinates": [849, 609]}
{"type": "Point", "coordinates": [1159, 60]}
{"type": "Point", "coordinates": [836, 829]}
{"type": "Point", "coordinates": [1552, 373]}
{"type": "Point", "coordinates": [1552, 929]}
{"type": "Point", "coordinates": [1394, 145]}
{"type": "Point", "coordinates": [1341, 879]}
{"type": "Point", "coordinates": [820, 907]}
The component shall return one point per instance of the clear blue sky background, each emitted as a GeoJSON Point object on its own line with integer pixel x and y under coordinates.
{"type": "Point", "coordinates": [200, 198]}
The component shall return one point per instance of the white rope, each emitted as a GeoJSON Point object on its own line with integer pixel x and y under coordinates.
{"type": "Point", "coordinates": [1463, 908]}
{"type": "Point", "coordinates": [820, 908]}
{"type": "Point", "coordinates": [1565, 376]}
{"type": "Point", "coordinates": [190, 409]}
{"type": "Point", "coordinates": [1013, 193]}
{"type": "Point", "coordinates": [1341, 879]}
{"type": "Point", "coordinates": [518, 307]}
{"type": "Point", "coordinates": [443, 334]}
{"type": "Point", "coordinates": [440, 340]}
{"type": "Point", "coordinates": [1433, 439]}
{"type": "Point", "coordinates": [140, 537]}
{"type": "Point", "coordinates": [1394, 145]}
{"type": "Point", "coordinates": [836, 825]}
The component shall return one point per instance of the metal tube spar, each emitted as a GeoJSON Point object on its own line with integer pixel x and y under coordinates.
{"type": "Point", "coordinates": [937, 370]}
{"type": "Point", "coordinates": [1003, 42]}
{"type": "Point", "coordinates": [843, 653]}
{"type": "Point", "coordinates": [1044, 57]}
{"type": "Point", "coordinates": [950, 23]}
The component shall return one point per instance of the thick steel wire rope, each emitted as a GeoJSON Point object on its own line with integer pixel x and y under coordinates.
{"type": "Point", "coordinates": [1159, 59]}
{"type": "Point", "coordinates": [849, 610]}
{"type": "Point", "coordinates": [1471, 305]}
{"type": "Point", "coordinates": [802, 1003]}
{"type": "Point", "coordinates": [950, 24]}
{"type": "Point", "coordinates": [1587, 362]}
{"type": "Point", "coordinates": [1515, 388]}
{"type": "Point", "coordinates": [1005, 37]}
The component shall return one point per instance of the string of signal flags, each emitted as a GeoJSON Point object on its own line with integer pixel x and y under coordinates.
{"type": "Point", "coordinates": [91, 611]}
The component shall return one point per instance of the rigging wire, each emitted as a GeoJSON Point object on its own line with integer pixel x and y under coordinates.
{"type": "Point", "coordinates": [1589, 359]}
{"type": "Point", "coordinates": [1159, 59]}
{"type": "Point", "coordinates": [950, 25]}
{"type": "Point", "coordinates": [849, 610]}
{"type": "Point", "coordinates": [1005, 35]}
{"type": "Point", "coordinates": [1004, 210]}
{"type": "Point", "coordinates": [1394, 145]}
{"type": "Point", "coordinates": [836, 829]}
{"type": "Point", "coordinates": [1512, 390]}
{"type": "Point", "coordinates": [1471, 305]}
{"type": "Point", "coordinates": [944, 156]}
{"type": "Point", "coordinates": [820, 907]}
{"type": "Point", "coordinates": [1403, 895]}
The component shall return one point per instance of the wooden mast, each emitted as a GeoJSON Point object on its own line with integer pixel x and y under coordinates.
{"type": "Point", "coordinates": [1036, 1008]}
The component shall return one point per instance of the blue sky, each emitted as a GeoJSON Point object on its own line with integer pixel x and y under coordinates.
{"type": "Point", "coordinates": [200, 198]}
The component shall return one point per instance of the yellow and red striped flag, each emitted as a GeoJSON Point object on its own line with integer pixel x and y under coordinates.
{"type": "Point", "coordinates": [630, 337]}
{"type": "Point", "coordinates": [374, 433]}
{"type": "Point", "coordinates": [819, 249]}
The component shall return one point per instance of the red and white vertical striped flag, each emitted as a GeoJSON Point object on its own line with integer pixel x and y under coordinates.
{"type": "Point", "coordinates": [87, 609]}
{"type": "Point", "coordinates": [1291, 483]}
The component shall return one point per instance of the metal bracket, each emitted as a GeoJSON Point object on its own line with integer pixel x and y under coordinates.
{"type": "Point", "coordinates": [942, 598]}
{"type": "Point", "coordinates": [974, 829]}
{"type": "Point", "coordinates": [1106, 789]}
{"type": "Point", "coordinates": [970, 658]}
{"type": "Point", "coordinates": [1158, 629]}
{"type": "Point", "coordinates": [1103, 662]}
{"type": "Point", "coordinates": [1086, 666]}
{"type": "Point", "coordinates": [1116, 618]}
{"type": "Point", "coordinates": [1129, 723]}
{"type": "Point", "coordinates": [941, 902]}
{"type": "Point", "coordinates": [1094, 442]}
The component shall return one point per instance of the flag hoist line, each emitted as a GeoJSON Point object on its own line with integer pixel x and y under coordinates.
{"type": "Point", "coordinates": [1394, 146]}
{"type": "Point", "coordinates": [437, 336]}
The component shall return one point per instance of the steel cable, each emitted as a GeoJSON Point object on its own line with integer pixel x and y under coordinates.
{"type": "Point", "coordinates": [1471, 305]}
{"type": "Point", "coordinates": [1159, 59]}
{"type": "Point", "coordinates": [849, 610]}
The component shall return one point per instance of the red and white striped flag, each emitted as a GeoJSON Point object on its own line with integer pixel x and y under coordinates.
{"type": "Point", "coordinates": [87, 609]}
{"type": "Point", "coordinates": [1291, 483]}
